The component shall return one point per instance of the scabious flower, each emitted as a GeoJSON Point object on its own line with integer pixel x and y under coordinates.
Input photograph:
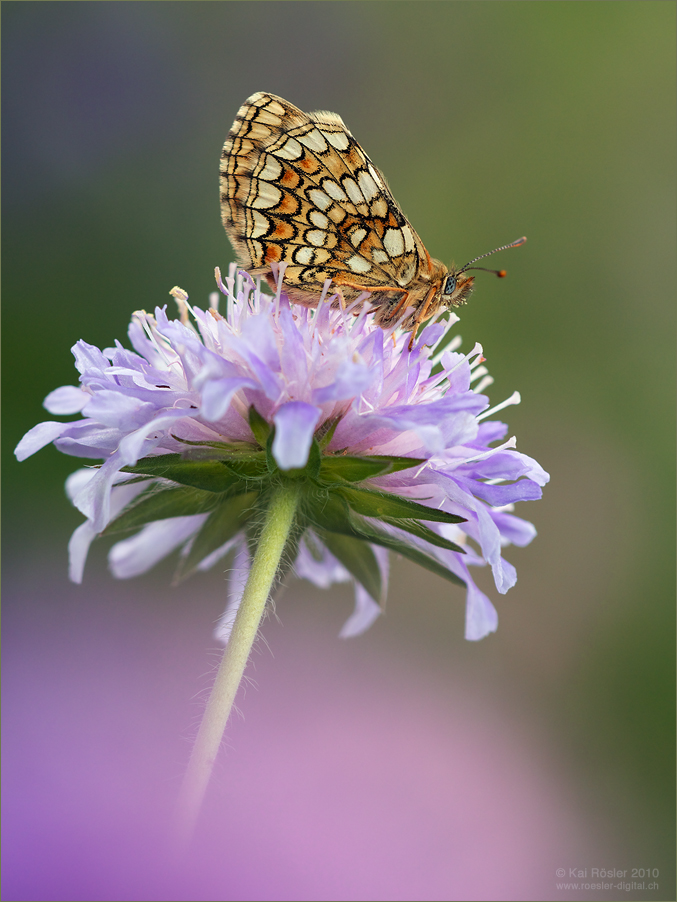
{"type": "Point", "coordinates": [390, 450]}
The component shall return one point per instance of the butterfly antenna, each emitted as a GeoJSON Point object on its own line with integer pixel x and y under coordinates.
{"type": "Point", "coordinates": [501, 273]}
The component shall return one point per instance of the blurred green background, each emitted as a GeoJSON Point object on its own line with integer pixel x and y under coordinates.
{"type": "Point", "coordinates": [490, 120]}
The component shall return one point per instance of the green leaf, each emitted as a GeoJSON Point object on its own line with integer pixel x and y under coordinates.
{"type": "Point", "coordinates": [423, 532]}
{"type": "Point", "coordinates": [271, 463]}
{"type": "Point", "coordinates": [355, 469]}
{"type": "Point", "coordinates": [222, 524]}
{"type": "Point", "coordinates": [136, 480]}
{"type": "Point", "coordinates": [358, 558]}
{"type": "Point", "coordinates": [350, 469]}
{"type": "Point", "coordinates": [209, 475]}
{"type": "Point", "coordinates": [249, 466]}
{"type": "Point", "coordinates": [311, 545]}
{"type": "Point", "coordinates": [328, 511]}
{"type": "Point", "coordinates": [395, 464]}
{"type": "Point", "coordinates": [258, 426]}
{"type": "Point", "coordinates": [325, 433]}
{"type": "Point", "coordinates": [413, 554]}
{"type": "Point", "coordinates": [333, 515]}
{"type": "Point", "coordinates": [313, 464]}
{"type": "Point", "coordinates": [158, 505]}
{"type": "Point", "coordinates": [226, 448]}
{"type": "Point", "coordinates": [370, 503]}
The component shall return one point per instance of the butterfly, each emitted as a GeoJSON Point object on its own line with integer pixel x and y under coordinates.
{"type": "Point", "coordinates": [296, 188]}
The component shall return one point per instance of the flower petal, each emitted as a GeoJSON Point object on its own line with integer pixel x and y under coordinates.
{"type": "Point", "coordinates": [208, 562]}
{"type": "Point", "coordinates": [37, 437]}
{"type": "Point", "coordinates": [121, 411]}
{"type": "Point", "coordinates": [365, 613]}
{"type": "Point", "coordinates": [89, 359]}
{"type": "Point", "coordinates": [238, 580]}
{"type": "Point", "coordinates": [295, 424]}
{"type": "Point", "coordinates": [93, 499]}
{"type": "Point", "coordinates": [351, 379]}
{"type": "Point", "coordinates": [136, 555]}
{"type": "Point", "coordinates": [498, 495]}
{"type": "Point", "coordinates": [78, 480]}
{"type": "Point", "coordinates": [317, 564]}
{"type": "Point", "coordinates": [515, 530]}
{"type": "Point", "coordinates": [141, 441]}
{"type": "Point", "coordinates": [218, 393]}
{"type": "Point", "coordinates": [85, 438]}
{"type": "Point", "coordinates": [66, 400]}
{"type": "Point", "coordinates": [78, 549]}
{"type": "Point", "coordinates": [84, 535]}
{"type": "Point", "coordinates": [481, 617]}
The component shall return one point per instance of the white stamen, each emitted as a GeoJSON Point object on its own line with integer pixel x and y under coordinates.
{"type": "Point", "coordinates": [482, 384]}
{"type": "Point", "coordinates": [179, 294]}
{"type": "Point", "coordinates": [477, 354]}
{"type": "Point", "coordinates": [219, 282]}
{"type": "Point", "coordinates": [277, 270]}
{"type": "Point", "coordinates": [363, 401]}
{"type": "Point", "coordinates": [510, 443]}
{"type": "Point", "coordinates": [162, 345]}
{"type": "Point", "coordinates": [230, 282]}
{"type": "Point", "coordinates": [455, 343]}
{"type": "Point", "coordinates": [181, 298]}
{"type": "Point", "coordinates": [360, 318]}
{"type": "Point", "coordinates": [446, 373]}
{"type": "Point", "coordinates": [514, 398]}
{"type": "Point", "coordinates": [323, 295]}
{"type": "Point", "coordinates": [246, 286]}
{"type": "Point", "coordinates": [360, 299]}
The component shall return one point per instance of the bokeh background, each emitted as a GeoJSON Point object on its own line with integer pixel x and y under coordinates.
{"type": "Point", "coordinates": [406, 763]}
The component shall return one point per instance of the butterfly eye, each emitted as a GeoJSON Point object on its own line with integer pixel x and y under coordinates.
{"type": "Point", "coordinates": [449, 285]}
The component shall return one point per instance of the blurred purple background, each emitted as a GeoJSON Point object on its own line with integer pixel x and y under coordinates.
{"type": "Point", "coordinates": [354, 773]}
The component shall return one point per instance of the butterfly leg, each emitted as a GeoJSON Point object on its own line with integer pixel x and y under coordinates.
{"type": "Point", "coordinates": [400, 304]}
{"type": "Point", "coordinates": [379, 289]}
{"type": "Point", "coordinates": [421, 314]}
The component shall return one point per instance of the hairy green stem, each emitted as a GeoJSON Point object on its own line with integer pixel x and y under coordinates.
{"type": "Point", "coordinates": [276, 528]}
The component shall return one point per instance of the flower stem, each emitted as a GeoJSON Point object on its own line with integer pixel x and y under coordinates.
{"type": "Point", "coordinates": [276, 528]}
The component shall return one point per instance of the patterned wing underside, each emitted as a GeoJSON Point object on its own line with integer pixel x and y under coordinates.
{"type": "Point", "coordinates": [297, 188]}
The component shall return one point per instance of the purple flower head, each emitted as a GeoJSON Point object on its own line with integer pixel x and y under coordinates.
{"type": "Point", "coordinates": [393, 450]}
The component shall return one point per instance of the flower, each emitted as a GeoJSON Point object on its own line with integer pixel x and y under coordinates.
{"type": "Point", "coordinates": [394, 450]}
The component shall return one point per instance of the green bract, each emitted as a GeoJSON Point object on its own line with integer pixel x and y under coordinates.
{"type": "Point", "coordinates": [233, 487]}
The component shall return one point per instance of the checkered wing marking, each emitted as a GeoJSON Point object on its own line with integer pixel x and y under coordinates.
{"type": "Point", "coordinates": [297, 188]}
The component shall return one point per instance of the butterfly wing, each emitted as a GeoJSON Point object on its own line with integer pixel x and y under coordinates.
{"type": "Point", "coordinates": [297, 188]}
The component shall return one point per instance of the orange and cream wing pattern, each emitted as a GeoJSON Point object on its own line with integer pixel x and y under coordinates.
{"type": "Point", "coordinates": [297, 188]}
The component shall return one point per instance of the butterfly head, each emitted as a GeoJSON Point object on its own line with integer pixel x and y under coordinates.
{"type": "Point", "coordinates": [456, 288]}
{"type": "Point", "coordinates": [457, 284]}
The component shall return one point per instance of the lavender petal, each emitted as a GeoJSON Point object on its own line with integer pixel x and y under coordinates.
{"type": "Point", "coordinates": [138, 554]}
{"type": "Point", "coordinates": [37, 437]}
{"type": "Point", "coordinates": [295, 424]}
{"type": "Point", "coordinates": [365, 613]}
{"type": "Point", "coordinates": [66, 400]}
